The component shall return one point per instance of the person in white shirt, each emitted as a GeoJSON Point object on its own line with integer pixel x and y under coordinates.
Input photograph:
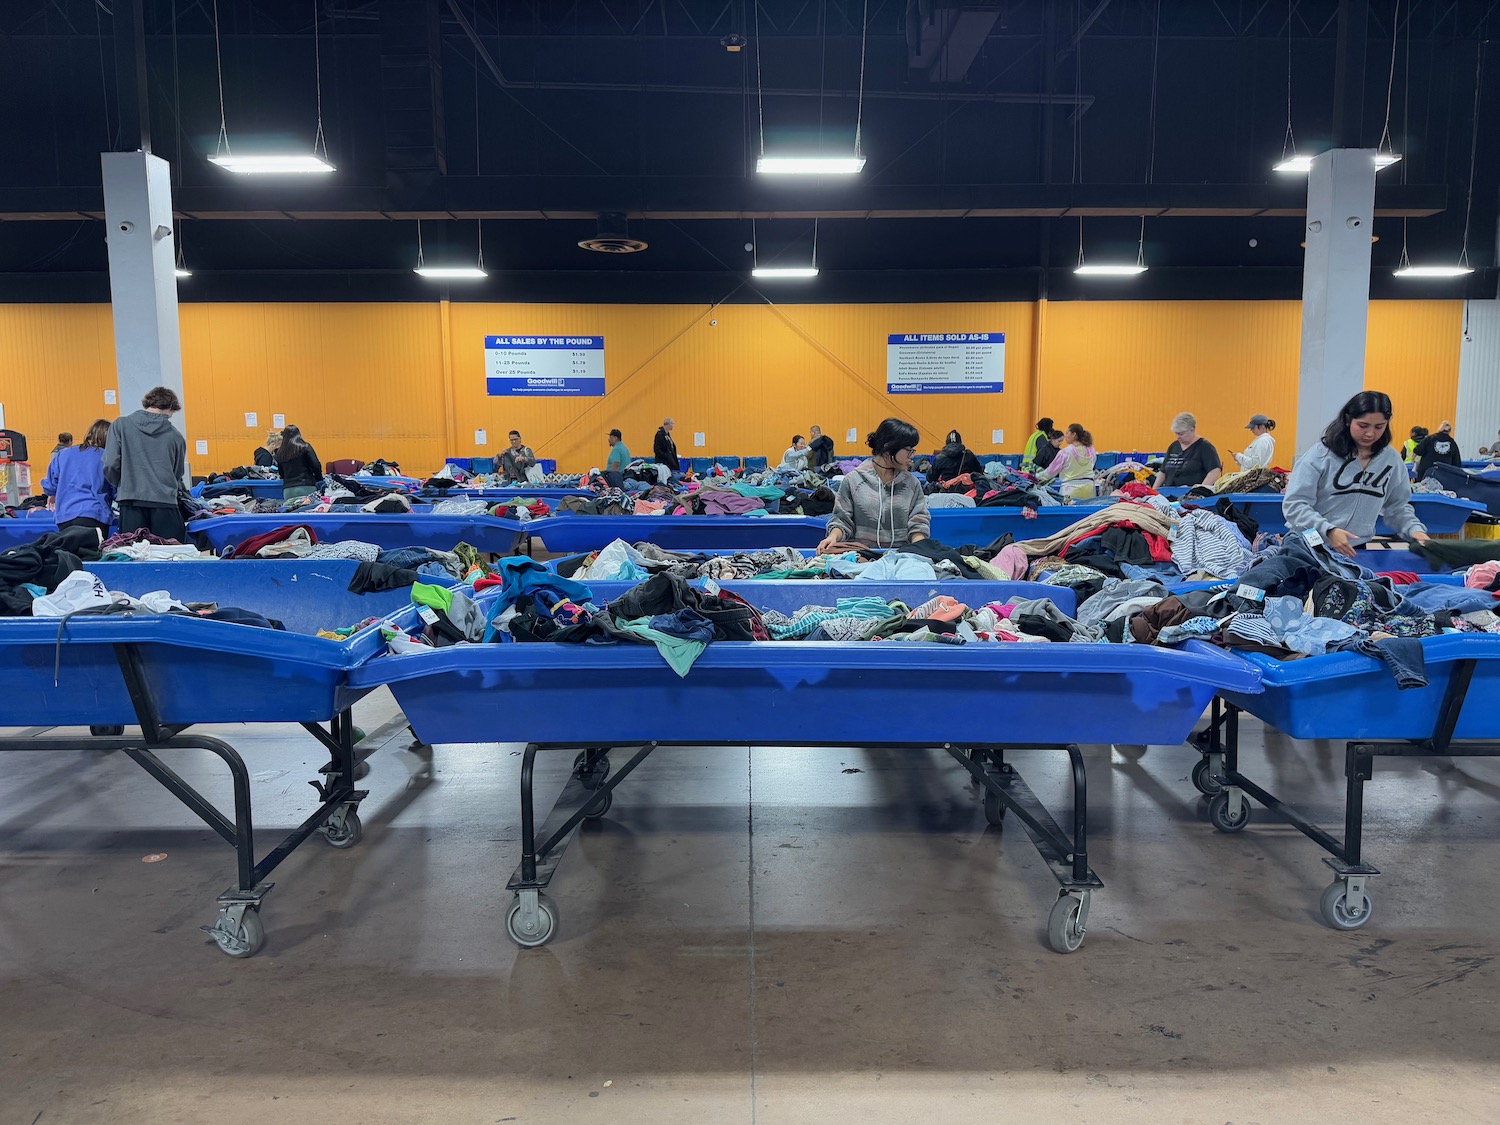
{"type": "Point", "coordinates": [1263, 448]}
{"type": "Point", "coordinates": [795, 458]}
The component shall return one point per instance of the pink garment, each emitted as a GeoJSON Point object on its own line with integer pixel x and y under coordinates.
{"type": "Point", "coordinates": [940, 608]}
{"type": "Point", "coordinates": [1012, 562]}
{"type": "Point", "coordinates": [1482, 575]}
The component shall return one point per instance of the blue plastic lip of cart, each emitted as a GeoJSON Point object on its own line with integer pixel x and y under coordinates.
{"type": "Point", "coordinates": [1350, 696]}
{"type": "Point", "coordinates": [420, 529]}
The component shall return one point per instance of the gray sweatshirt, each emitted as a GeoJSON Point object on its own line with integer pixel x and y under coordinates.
{"type": "Point", "coordinates": [878, 514]}
{"type": "Point", "coordinates": [1326, 491]}
{"type": "Point", "coordinates": [145, 458]}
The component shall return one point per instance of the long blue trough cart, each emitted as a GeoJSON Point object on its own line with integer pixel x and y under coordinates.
{"type": "Point", "coordinates": [1482, 490]}
{"type": "Point", "coordinates": [571, 533]}
{"type": "Point", "coordinates": [979, 526]}
{"type": "Point", "coordinates": [1349, 697]}
{"type": "Point", "coordinates": [489, 534]}
{"type": "Point", "coordinates": [17, 530]}
{"type": "Point", "coordinates": [1441, 515]}
{"type": "Point", "coordinates": [255, 489]}
{"type": "Point", "coordinates": [979, 703]}
{"type": "Point", "coordinates": [491, 495]}
{"type": "Point", "coordinates": [165, 673]}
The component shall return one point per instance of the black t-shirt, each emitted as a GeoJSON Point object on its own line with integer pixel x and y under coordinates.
{"type": "Point", "coordinates": [1189, 466]}
{"type": "Point", "coordinates": [1438, 449]}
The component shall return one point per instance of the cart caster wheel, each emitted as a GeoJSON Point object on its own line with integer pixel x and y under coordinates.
{"type": "Point", "coordinates": [1218, 813]}
{"type": "Point", "coordinates": [1339, 912]}
{"type": "Point", "coordinates": [106, 731]}
{"type": "Point", "coordinates": [1204, 780]}
{"type": "Point", "coordinates": [1065, 925]}
{"type": "Point", "coordinates": [358, 735]}
{"type": "Point", "coordinates": [1202, 739]}
{"type": "Point", "coordinates": [599, 806]}
{"type": "Point", "coordinates": [539, 930]}
{"type": "Point", "coordinates": [994, 809]}
{"type": "Point", "coordinates": [594, 777]}
{"type": "Point", "coordinates": [343, 831]}
{"type": "Point", "coordinates": [242, 940]}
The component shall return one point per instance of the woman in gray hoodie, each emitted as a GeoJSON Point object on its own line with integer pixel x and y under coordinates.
{"type": "Point", "coordinates": [1352, 477]}
{"type": "Point", "coordinates": [880, 504]}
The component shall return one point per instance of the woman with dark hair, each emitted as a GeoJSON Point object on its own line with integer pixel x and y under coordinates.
{"type": "Point", "coordinates": [1035, 453]}
{"type": "Point", "coordinates": [880, 504]}
{"type": "Point", "coordinates": [301, 471]}
{"type": "Point", "coordinates": [1409, 448]}
{"type": "Point", "coordinates": [954, 459]}
{"type": "Point", "coordinates": [76, 486]}
{"type": "Point", "coordinates": [1262, 450]}
{"type": "Point", "coordinates": [1074, 464]}
{"type": "Point", "coordinates": [1352, 476]}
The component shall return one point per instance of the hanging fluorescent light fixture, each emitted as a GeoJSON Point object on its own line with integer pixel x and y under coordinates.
{"type": "Point", "coordinates": [1112, 269]}
{"type": "Point", "coordinates": [822, 165]}
{"type": "Point", "coordinates": [180, 269]}
{"type": "Point", "coordinates": [451, 273]}
{"type": "Point", "coordinates": [775, 272]}
{"type": "Point", "coordinates": [180, 272]}
{"type": "Point", "coordinates": [272, 164]}
{"type": "Point", "coordinates": [1461, 267]}
{"type": "Point", "coordinates": [1302, 165]}
{"type": "Point", "coordinates": [810, 165]}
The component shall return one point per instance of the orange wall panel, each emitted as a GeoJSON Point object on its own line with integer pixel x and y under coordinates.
{"type": "Point", "coordinates": [385, 379]}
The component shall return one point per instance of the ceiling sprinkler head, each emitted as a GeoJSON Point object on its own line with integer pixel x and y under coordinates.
{"type": "Point", "coordinates": [734, 43]}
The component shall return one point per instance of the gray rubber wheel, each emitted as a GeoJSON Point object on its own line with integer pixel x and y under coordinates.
{"type": "Point", "coordinates": [994, 809]}
{"type": "Point", "coordinates": [106, 731]}
{"type": "Point", "coordinates": [1218, 813]}
{"type": "Point", "coordinates": [1204, 780]}
{"type": "Point", "coordinates": [599, 805]}
{"type": "Point", "coordinates": [346, 833]}
{"type": "Point", "coordinates": [246, 940]}
{"type": "Point", "coordinates": [1336, 910]}
{"type": "Point", "coordinates": [1064, 933]}
{"type": "Point", "coordinates": [546, 923]}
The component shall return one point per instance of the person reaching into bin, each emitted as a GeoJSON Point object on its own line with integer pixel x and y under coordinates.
{"type": "Point", "coordinates": [1350, 478]}
{"type": "Point", "coordinates": [880, 504]}
{"type": "Point", "coordinates": [75, 484]}
{"type": "Point", "coordinates": [301, 471]}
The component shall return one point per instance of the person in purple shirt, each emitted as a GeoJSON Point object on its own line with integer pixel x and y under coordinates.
{"type": "Point", "coordinates": [75, 483]}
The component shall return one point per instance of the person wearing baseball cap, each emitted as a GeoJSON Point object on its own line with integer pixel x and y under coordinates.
{"type": "Point", "coordinates": [1262, 450]}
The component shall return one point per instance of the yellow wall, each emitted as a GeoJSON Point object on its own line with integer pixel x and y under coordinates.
{"type": "Point", "coordinates": [406, 381]}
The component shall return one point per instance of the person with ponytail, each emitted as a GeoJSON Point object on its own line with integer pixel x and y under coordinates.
{"type": "Point", "coordinates": [1073, 467]}
{"type": "Point", "coordinates": [880, 504]}
{"type": "Point", "coordinates": [1260, 452]}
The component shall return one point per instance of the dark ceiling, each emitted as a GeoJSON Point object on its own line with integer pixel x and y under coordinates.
{"type": "Point", "coordinates": [989, 130]}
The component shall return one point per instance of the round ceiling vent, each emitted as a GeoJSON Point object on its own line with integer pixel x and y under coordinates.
{"type": "Point", "coordinates": [613, 237]}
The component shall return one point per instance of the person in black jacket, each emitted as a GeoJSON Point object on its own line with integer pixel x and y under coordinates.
{"type": "Point", "coordinates": [1437, 449]}
{"type": "Point", "coordinates": [822, 448]}
{"type": "Point", "coordinates": [954, 459]}
{"type": "Point", "coordinates": [665, 448]}
{"type": "Point", "coordinates": [301, 471]}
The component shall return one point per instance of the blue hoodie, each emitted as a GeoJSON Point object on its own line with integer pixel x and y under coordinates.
{"type": "Point", "coordinates": [76, 479]}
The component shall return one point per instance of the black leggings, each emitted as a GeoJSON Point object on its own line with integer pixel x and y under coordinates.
{"type": "Point", "coordinates": [165, 523]}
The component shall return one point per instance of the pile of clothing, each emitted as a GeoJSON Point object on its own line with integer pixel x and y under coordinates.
{"type": "Point", "coordinates": [927, 561]}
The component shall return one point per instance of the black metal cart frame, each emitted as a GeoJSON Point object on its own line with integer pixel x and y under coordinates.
{"type": "Point", "coordinates": [532, 918]}
{"type": "Point", "coordinates": [238, 930]}
{"type": "Point", "coordinates": [1346, 904]}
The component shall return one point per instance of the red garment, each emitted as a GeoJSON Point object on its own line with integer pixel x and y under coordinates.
{"type": "Point", "coordinates": [1135, 490]}
{"type": "Point", "coordinates": [487, 581]}
{"type": "Point", "coordinates": [250, 546]}
{"type": "Point", "coordinates": [1400, 577]}
{"type": "Point", "coordinates": [1161, 549]}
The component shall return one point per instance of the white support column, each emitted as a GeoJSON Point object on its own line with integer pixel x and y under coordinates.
{"type": "Point", "coordinates": [1335, 287]}
{"type": "Point", "coordinates": [142, 278]}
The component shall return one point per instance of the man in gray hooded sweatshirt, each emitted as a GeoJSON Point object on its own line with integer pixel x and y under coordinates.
{"type": "Point", "coordinates": [145, 458]}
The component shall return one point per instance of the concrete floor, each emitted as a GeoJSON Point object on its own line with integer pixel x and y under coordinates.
{"type": "Point", "coordinates": [763, 936]}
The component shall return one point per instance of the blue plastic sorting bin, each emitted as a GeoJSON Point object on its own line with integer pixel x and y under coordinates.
{"type": "Point", "coordinates": [1482, 490]}
{"type": "Point", "coordinates": [187, 671]}
{"type": "Point", "coordinates": [257, 489]}
{"type": "Point", "coordinates": [977, 702]}
{"type": "Point", "coordinates": [756, 464]}
{"type": "Point", "coordinates": [728, 463]}
{"type": "Point", "coordinates": [484, 465]}
{"type": "Point", "coordinates": [548, 465]}
{"type": "Point", "coordinates": [464, 463]}
{"type": "Point", "coordinates": [1441, 515]}
{"type": "Point", "coordinates": [1106, 460]}
{"type": "Point", "coordinates": [980, 526]}
{"type": "Point", "coordinates": [574, 533]}
{"type": "Point", "coordinates": [489, 534]}
{"type": "Point", "coordinates": [703, 465]}
{"type": "Point", "coordinates": [14, 531]}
